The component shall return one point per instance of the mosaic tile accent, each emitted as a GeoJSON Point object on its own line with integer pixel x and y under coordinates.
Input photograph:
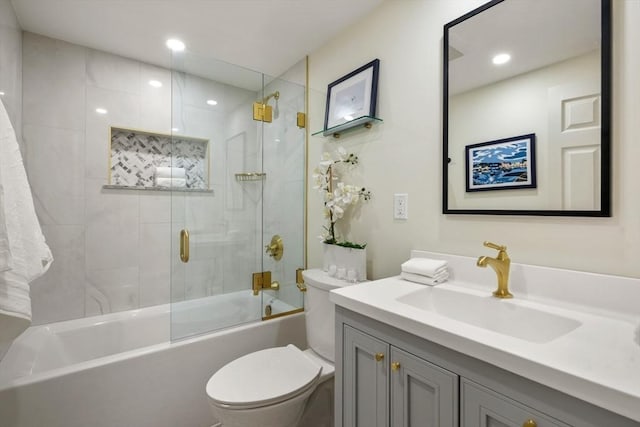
{"type": "Point", "coordinates": [135, 155]}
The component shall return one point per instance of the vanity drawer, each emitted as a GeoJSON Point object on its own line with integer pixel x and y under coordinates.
{"type": "Point", "coordinates": [482, 407]}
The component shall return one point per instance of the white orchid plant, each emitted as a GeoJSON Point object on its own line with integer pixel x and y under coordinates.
{"type": "Point", "coordinates": [338, 196]}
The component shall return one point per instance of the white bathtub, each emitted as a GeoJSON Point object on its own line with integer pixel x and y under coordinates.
{"type": "Point", "coordinates": [120, 370]}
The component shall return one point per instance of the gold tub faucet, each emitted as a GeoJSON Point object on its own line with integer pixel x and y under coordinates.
{"type": "Point", "coordinates": [501, 265]}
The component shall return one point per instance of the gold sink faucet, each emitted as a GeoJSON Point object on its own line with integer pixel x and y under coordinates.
{"type": "Point", "coordinates": [501, 265]}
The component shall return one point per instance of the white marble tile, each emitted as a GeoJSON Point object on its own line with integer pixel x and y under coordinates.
{"type": "Point", "coordinates": [155, 109]}
{"type": "Point", "coordinates": [112, 227]}
{"type": "Point", "coordinates": [112, 290]}
{"type": "Point", "coordinates": [55, 166]}
{"type": "Point", "coordinates": [113, 72]}
{"type": "Point", "coordinates": [59, 293]}
{"type": "Point", "coordinates": [199, 122]}
{"type": "Point", "coordinates": [123, 110]}
{"type": "Point", "coordinates": [204, 212]}
{"type": "Point", "coordinates": [53, 82]}
{"type": "Point", "coordinates": [155, 264]}
{"type": "Point", "coordinates": [155, 207]}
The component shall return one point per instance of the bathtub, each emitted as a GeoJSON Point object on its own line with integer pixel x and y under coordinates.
{"type": "Point", "coordinates": [121, 370]}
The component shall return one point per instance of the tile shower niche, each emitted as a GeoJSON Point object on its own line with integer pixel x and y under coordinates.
{"type": "Point", "coordinates": [135, 156]}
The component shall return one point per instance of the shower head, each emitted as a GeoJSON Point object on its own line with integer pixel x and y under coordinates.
{"type": "Point", "coordinates": [263, 112]}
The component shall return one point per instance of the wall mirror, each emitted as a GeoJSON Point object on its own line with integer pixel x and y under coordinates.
{"type": "Point", "coordinates": [526, 129]}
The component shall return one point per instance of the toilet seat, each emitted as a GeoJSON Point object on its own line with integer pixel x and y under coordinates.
{"type": "Point", "coordinates": [263, 378]}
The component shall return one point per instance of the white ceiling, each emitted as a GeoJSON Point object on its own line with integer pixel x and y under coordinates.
{"type": "Point", "coordinates": [263, 35]}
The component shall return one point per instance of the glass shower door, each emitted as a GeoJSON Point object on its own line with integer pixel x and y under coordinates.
{"type": "Point", "coordinates": [243, 189]}
{"type": "Point", "coordinates": [284, 153]}
{"type": "Point", "coordinates": [217, 215]}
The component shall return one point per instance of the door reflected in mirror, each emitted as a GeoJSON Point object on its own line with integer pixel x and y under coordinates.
{"type": "Point", "coordinates": [528, 67]}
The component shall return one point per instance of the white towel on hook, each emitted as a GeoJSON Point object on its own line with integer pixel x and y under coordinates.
{"type": "Point", "coordinates": [25, 255]}
{"type": "Point", "coordinates": [424, 266]}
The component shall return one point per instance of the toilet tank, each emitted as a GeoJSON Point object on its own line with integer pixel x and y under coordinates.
{"type": "Point", "coordinates": [320, 312]}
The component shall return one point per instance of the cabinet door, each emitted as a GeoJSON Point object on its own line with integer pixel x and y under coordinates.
{"type": "Point", "coordinates": [422, 394]}
{"type": "Point", "coordinates": [365, 380]}
{"type": "Point", "coordinates": [482, 407]}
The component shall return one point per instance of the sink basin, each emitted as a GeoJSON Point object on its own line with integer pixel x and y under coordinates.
{"type": "Point", "coordinates": [487, 312]}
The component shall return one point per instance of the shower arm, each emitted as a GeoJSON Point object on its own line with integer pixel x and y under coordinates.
{"type": "Point", "coordinates": [275, 95]}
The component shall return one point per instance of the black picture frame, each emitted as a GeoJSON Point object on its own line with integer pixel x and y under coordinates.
{"type": "Point", "coordinates": [502, 164]}
{"type": "Point", "coordinates": [352, 96]}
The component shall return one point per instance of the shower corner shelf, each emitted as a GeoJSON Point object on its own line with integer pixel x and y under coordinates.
{"type": "Point", "coordinates": [364, 121]}
{"type": "Point", "coordinates": [250, 176]}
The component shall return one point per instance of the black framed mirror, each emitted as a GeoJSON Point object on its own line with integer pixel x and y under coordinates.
{"type": "Point", "coordinates": [527, 109]}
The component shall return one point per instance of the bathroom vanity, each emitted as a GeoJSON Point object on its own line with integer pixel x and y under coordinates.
{"type": "Point", "coordinates": [452, 355]}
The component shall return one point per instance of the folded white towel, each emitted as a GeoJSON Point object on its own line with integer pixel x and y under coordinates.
{"type": "Point", "coordinates": [171, 182]}
{"type": "Point", "coordinates": [424, 280]}
{"type": "Point", "coordinates": [424, 266]}
{"type": "Point", "coordinates": [167, 172]}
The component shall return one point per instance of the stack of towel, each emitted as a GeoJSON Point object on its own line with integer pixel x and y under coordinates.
{"type": "Point", "coordinates": [171, 177]}
{"type": "Point", "coordinates": [425, 271]}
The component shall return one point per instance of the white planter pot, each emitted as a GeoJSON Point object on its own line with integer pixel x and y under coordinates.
{"type": "Point", "coordinates": [345, 263]}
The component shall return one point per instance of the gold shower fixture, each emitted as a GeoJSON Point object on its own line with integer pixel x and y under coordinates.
{"type": "Point", "coordinates": [263, 112]}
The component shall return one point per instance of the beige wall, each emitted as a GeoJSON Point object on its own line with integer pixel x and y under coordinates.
{"type": "Point", "coordinates": [402, 155]}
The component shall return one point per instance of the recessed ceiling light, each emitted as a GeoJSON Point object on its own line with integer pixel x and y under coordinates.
{"type": "Point", "coordinates": [101, 111]}
{"type": "Point", "coordinates": [501, 58]}
{"type": "Point", "coordinates": [1, 93]}
{"type": "Point", "coordinates": [175, 45]}
{"type": "Point", "coordinates": [155, 83]}
{"type": "Point", "coordinates": [212, 102]}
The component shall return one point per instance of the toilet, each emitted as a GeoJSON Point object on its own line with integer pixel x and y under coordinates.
{"type": "Point", "coordinates": [270, 388]}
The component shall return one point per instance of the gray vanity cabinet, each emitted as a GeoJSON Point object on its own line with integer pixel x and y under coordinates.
{"type": "Point", "coordinates": [387, 377]}
{"type": "Point", "coordinates": [384, 384]}
{"type": "Point", "coordinates": [482, 407]}
{"type": "Point", "coordinates": [366, 380]}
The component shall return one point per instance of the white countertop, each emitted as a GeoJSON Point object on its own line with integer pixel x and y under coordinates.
{"type": "Point", "coordinates": [598, 362]}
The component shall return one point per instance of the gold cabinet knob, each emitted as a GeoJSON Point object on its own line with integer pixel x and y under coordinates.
{"type": "Point", "coordinates": [395, 366]}
{"type": "Point", "coordinates": [530, 423]}
{"type": "Point", "coordinates": [379, 357]}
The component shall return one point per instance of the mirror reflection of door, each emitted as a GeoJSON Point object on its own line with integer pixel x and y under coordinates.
{"type": "Point", "coordinates": [553, 84]}
{"type": "Point", "coordinates": [574, 151]}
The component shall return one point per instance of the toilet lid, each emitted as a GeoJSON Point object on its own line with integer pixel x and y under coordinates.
{"type": "Point", "coordinates": [263, 378]}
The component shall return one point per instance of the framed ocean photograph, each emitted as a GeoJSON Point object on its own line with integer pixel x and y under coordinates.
{"type": "Point", "coordinates": [502, 164]}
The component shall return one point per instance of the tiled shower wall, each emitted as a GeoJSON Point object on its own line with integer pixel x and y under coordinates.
{"type": "Point", "coordinates": [112, 248]}
{"type": "Point", "coordinates": [11, 65]}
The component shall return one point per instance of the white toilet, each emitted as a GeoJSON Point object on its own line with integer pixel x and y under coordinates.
{"type": "Point", "coordinates": [270, 388]}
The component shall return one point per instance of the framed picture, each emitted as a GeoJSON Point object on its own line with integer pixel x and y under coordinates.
{"type": "Point", "coordinates": [502, 164]}
{"type": "Point", "coordinates": [352, 96]}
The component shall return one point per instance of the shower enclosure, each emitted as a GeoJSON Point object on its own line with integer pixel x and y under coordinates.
{"type": "Point", "coordinates": [238, 135]}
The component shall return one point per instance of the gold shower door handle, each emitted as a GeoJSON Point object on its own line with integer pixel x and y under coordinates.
{"type": "Point", "coordinates": [184, 245]}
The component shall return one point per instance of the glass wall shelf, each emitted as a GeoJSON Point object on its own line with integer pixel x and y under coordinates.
{"type": "Point", "coordinates": [365, 121]}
